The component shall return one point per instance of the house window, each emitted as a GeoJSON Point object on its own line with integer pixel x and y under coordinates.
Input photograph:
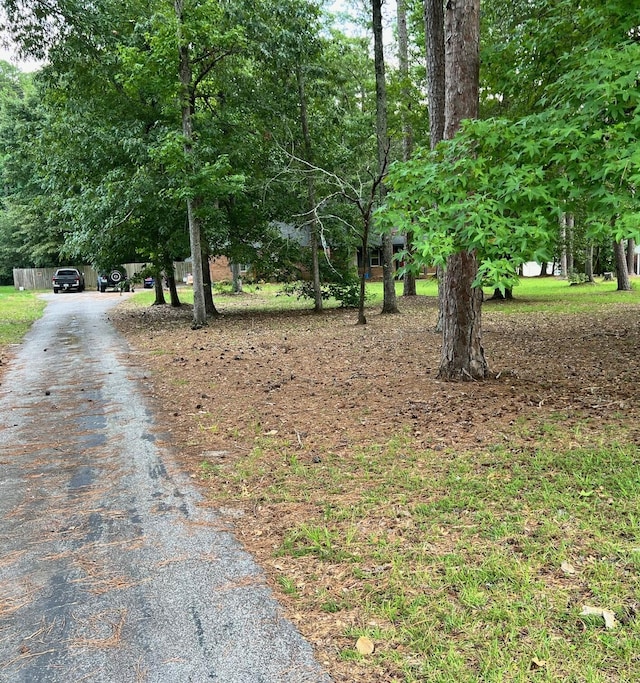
{"type": "Point", "coordinates": [376, 257]}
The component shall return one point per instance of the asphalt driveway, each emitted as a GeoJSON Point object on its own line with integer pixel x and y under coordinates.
{"type": "Point", "coordinates": [109, 569]}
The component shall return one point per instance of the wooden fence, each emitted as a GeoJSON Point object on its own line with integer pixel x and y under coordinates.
{"type": "Point", "coordinates": [40, 278]}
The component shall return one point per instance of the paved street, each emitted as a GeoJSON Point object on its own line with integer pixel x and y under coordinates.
{"type": "Point", "coordinates": [110, 571]}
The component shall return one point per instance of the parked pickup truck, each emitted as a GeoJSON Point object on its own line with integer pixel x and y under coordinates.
{"type": "Point", "coordinates": [67, 279]}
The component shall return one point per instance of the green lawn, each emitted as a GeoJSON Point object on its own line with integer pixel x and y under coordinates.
{"type": "Point", "coordinates": [549, 295]}
{"type": "Point", "coordinates": [475, 566]}
{"type": "Point", "coordinates": [18, 310]}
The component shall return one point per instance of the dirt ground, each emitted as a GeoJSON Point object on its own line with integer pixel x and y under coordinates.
{"type": "Point", "coordinates": [327, 386]}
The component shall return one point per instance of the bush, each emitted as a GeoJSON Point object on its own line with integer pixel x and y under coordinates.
{"type": "Point", "coordinates": [576, 278]}
{"type": "Point", "coordinates": [346, 292]}
{"type": "Point", "coordinates": [223, 287]}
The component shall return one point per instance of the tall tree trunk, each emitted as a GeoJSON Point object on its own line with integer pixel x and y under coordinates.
{"type": "Point", "coordinates": [440, 276]}
{"type": "Point", "coordinates": [159, 291]}
{"type": "Point", "coordinates": [207, 288]}
{"type": "Point", "coordinates": [588, 263]}
{"type": "Point", "coordinates": [403, 64]}
{"type": "Point", "coordinates": [199, 301]}
{"type": "Point", "coordinates": [631, 256]}
{"type": "Point", "coordinates": [236, 280]}
{"type": "Point", "coordinates": [434, 39]}
{"type": "Point", "coordinates": [434, 32]}
{"type": "Point", "coordinates": [366, 227]}
{"type": "Point", "coordinates": [622, 274]}
{"type": "Point", "coordinates": [409, 280]}
{"type": "Point", "coordinates": [544, 269]}
{"type": "Point", "coordinates": [186, 103]}
{"type": "Point", "coordinates": [389, 304]}
{"type": "Point", "coordinates": [362, 318]}
{"type": "Point", "coordinates": [564, 270]}
{"type": "Point", "coordinates": [173, 290]}
{"type": "Point", "coordinates": [462, 352]}
{"type": "Point", "coordinates": [569, 243]}
{"type": "Point", "coordinates": [311, 194]}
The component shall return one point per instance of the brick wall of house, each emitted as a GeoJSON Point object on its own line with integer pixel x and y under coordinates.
{"type": "Point", "coordinates": [219, 269]}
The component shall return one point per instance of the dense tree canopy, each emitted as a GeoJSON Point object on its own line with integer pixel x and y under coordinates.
{"type": "Point", "coordinates": [502, 184]}
{"type": "Point", "coordinates": [95, 167]}
{"type": "Point", "coordinates": [111, 152]}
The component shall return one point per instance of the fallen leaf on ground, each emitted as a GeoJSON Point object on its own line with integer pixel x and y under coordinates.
{"type": "Point", "coordinates": [567, 568]}
{"type": "Point", "coordinates": [365, 645]}
{"type": "Point", "coordinates": [538, 663]}
{"type": "Point", "coordinates": [608, 616]}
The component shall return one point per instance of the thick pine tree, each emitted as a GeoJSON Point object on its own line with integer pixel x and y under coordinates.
{"type": "Point", "coordinates": [462, 353]}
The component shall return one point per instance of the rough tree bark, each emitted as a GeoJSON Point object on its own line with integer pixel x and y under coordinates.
{"type": "Point", "coordinates": [236, 280]}
{"type": "Point", "coordinates": [569, 242]}
{"type": "Point", "coordinates": [434, 34]}
{"type": "Point", "coordinates": [207, 289]}
{"type": "Point", "coordinates": [311, 193]}
{"type": "Point", "coordinates": [390, 304]}
{"type": "Point", "coordinates": [622, 274]}
{"type": "Point", "coordinates": [564, 269]}
{"type": "Point", "coordinates": [588, 263]}
{"type": "Point", "coordinates": [173, 290]}
{"type": "Point", "coordinates": [409, 280]}
{"type": "Point", "coordinates": [159, 291]}
{"type": "Point", "coordinates": [631, 256]}
{"type": "Point", "coordinates": [187, 107]}
{"type": "Point", "coordinates": [362, 318]}
{"type": "Point", "coordinates": [462, 353]}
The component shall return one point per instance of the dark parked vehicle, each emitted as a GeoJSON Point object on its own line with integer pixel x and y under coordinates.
{"type": "Point", "coordinates": [67, 279]}
{"type": "Point", "coordinates": [149, 283]}
{"type": "Point", "coordinates": [116, 280]}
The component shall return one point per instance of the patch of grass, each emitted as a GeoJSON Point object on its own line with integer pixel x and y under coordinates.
{"type": "Point", "coordinates": [288, 586]}
{"type": "Point", "coordinates": [554, 296]}
{"type": "Point", "coordinates": [319, 541]}
{"type": "Point", "coordinates": [463, 568]}
{"type": "Point", "coordinates": [262, 298]}
{"type": "Point", "coordinates": [144, 297]}
{"type": "Point", "coordinates": [18, 311]}
{"type": "Point", "coordinates": [208, 469]}
{"type": "Point", "coordinates": [549, 295]}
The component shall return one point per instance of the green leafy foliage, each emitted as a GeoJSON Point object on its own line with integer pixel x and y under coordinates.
{"type": "Point", "coordinates": [339, 278]}
{"type": "Point", "coordinates": [500, 186]}
{"type": "Point", "coordinates": [346, 291]}
{"type": "Point", "coordinates": [481, 191]}
{"type": "Point", "coordinates": [107, 167]}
